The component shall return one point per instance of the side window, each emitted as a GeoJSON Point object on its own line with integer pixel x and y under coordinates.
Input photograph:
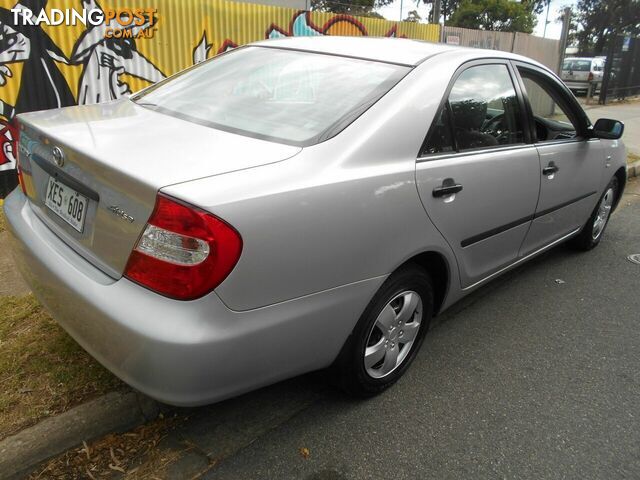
{"type": "Point", "coordinates": [553, 119]}
{"type": "Point", "coordinates": [484, 112]}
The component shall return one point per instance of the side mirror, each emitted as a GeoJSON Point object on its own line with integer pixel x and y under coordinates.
{"type": "Point", "coordinates": [608, 129]}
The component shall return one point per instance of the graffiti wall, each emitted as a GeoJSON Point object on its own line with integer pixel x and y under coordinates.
{"type": "Point", "coordinates": [55, 53]}
{"type": "Point", "coordinates": [46, 66]}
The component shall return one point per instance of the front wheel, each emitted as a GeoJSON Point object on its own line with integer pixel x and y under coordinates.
{"type": "Point", "coordinates": [388, 335]}
{"type": "Point", "coordinates": [593, 230]}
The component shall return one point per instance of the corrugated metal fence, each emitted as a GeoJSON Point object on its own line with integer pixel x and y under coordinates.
{"type": "Point", "coordinates": [544, 50]}
{"type": "Point", "coordinates": [478, 38]}
{"type": "Point", "coordinates": [47, 66]}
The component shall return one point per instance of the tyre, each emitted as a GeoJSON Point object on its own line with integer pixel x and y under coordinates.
{"type": "Point", "coordinates": [388, 335]}
{"type": "Point", "coordinates": [593, 230]}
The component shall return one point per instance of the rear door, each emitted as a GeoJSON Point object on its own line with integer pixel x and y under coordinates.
{"type": "Point", "coordinates": [477, 176]}
{"type": "Point", "coordinates": [571, 163]}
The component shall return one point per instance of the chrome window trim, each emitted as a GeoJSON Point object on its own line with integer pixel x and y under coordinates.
{"type": "Point", "coordinates": [474, 151]}
{"type": "Point", "coordinates": [519, 146]}
{"type": "Point", "coordinates": [480, 61]}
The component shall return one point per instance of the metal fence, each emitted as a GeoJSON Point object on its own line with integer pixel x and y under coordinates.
{"type": "Point", "coordinates": [51, 65]}
{"type": "Point", "coordinates": [544, 50]}
{"type": "Point", "coordinates": [622, 69]}
{"type": "Point", "coordinates": [478, 38]}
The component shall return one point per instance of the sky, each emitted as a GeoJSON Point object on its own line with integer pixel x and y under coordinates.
{"type": "Point", "coordinates": [392, 12]}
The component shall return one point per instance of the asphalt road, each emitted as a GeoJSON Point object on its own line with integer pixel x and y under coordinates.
{"type": "Point", "coordinates": [535, 376]}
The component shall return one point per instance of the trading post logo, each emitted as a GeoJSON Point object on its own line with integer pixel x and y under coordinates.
{"type": "Point", "coordinates": [119, 22]}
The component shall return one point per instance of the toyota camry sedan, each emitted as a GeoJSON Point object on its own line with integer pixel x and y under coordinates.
{"type": "Point", "coordinates": [300, 204]}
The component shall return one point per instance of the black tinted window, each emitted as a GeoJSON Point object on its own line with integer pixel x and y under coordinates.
{"type": "Point", "coordinates": [485, 108]}
{"type": "Point", "coordinates": [440, 136]}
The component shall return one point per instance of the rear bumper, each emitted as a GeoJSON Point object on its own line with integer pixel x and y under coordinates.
{"type": "Point", "coordinates": [182, 353]}
{"type": "Point", "coordinates": [576, 84]}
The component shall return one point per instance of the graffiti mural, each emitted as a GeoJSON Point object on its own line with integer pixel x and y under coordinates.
{"type": "Point", "coordinates": [136, 43]}
{"type": "Point", "coordinates": [302, 25]}
{"type": "Point", "coordinates": [105, 60]}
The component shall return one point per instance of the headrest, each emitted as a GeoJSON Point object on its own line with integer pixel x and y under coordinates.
{"type": "Point", "coordinates": [469, 114]}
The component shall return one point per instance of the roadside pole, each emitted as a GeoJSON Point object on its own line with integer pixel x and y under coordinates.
{"type": "Point", "coordinates": [566, 22]}
{"type": "Point", "coordinates": [436, 11]}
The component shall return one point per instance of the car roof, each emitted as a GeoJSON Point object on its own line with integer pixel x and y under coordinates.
{"type": "Point", "coordinates": [402, 51]}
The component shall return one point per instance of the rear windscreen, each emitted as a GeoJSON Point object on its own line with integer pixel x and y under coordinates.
{"type": "Point", "coordinates": [577, 65]}
{"type": "Point", "coordinates": [294, 97]}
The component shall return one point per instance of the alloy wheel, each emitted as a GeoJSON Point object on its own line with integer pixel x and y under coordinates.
{"type": "Point", "coordinates": [393, 334]}
{"type": "Point", "coordinates": [604, 210]}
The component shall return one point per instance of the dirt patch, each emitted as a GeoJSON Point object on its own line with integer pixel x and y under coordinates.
{"type": "Point", "coordinates": [43, 371]}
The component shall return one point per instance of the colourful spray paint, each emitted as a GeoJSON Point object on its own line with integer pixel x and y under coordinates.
{"type": "Point", "coordinates": [129, 44]}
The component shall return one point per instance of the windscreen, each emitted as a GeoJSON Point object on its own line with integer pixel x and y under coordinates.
{"type": "Point", "coordinates": [577, 65]}
{"type": "Point", "coordinates": [293, 97]}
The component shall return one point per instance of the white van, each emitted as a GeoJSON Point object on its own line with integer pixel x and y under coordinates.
{"type": "Point", "coordinates": [577, 72]}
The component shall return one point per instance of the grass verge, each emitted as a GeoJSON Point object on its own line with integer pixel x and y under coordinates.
{"type": "Point", "coordinates": [43, 371]}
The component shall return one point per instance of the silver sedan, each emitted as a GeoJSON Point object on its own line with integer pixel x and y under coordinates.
{"type": "Point", "coordinates": [299, 204]}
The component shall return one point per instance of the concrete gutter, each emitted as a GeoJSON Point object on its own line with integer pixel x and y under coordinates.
{"type": "Point", "coordinates": [633, 169]}
{"type": "Point", "coordinates": [113, 412]}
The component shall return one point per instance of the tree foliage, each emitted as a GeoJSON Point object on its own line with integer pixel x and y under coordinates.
{"type": "Point", "coordinates": [449, 7]}
{"type": "Point", "coordinates": [597, 20]}
{"type": "Point", "coordinates": [352, 7]}
{"type": "Point", "coordinates": [496, 15]}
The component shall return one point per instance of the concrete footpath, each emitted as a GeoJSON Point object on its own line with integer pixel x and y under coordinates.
{"type": "Point", "coordinates": [626, 112]}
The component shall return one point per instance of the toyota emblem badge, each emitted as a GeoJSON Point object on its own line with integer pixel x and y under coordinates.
{"type": "Point", "coordinates": [58, 156]}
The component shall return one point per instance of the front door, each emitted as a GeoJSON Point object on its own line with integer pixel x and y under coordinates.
{"type": "Point", "coordinates": [571, 165]}
{"type": "Point", "coordinates": [477, 177]}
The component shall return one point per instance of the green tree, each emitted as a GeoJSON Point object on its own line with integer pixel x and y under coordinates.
{"type": "Point", "coordinates": [597, 20]}
{"type": "Point", "coordinates": [497, 15]}
{"type": "Point", "coordinates": [352, 7]}
{"type": "Point", "coordinates": [448, 7]}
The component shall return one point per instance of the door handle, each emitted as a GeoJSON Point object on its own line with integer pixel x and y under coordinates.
{"type": "Point", "coordinates": [448, 187]}
{"type": "Point", "coordinates": [550, 169]}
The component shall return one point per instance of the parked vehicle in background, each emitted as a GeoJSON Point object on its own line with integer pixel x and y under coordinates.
{"type": "Point", "coordinates": [578, 72]}
{"type": "Point", "coordinates": [301, 203]}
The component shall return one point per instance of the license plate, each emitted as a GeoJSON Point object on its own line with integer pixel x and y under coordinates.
{"type": "Point", "coordinates": [68, 204]}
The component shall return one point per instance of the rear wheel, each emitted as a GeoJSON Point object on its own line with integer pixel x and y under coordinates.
{"type": "Point", "coordinates": [593, 230]}
{"type": "Point", "coordinates": [388, 335]}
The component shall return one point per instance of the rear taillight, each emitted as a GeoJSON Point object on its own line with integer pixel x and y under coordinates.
{"type": "Point", "coordinates": [17, 128]}
{"type": "Point", "coordinates": [184, 252]}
